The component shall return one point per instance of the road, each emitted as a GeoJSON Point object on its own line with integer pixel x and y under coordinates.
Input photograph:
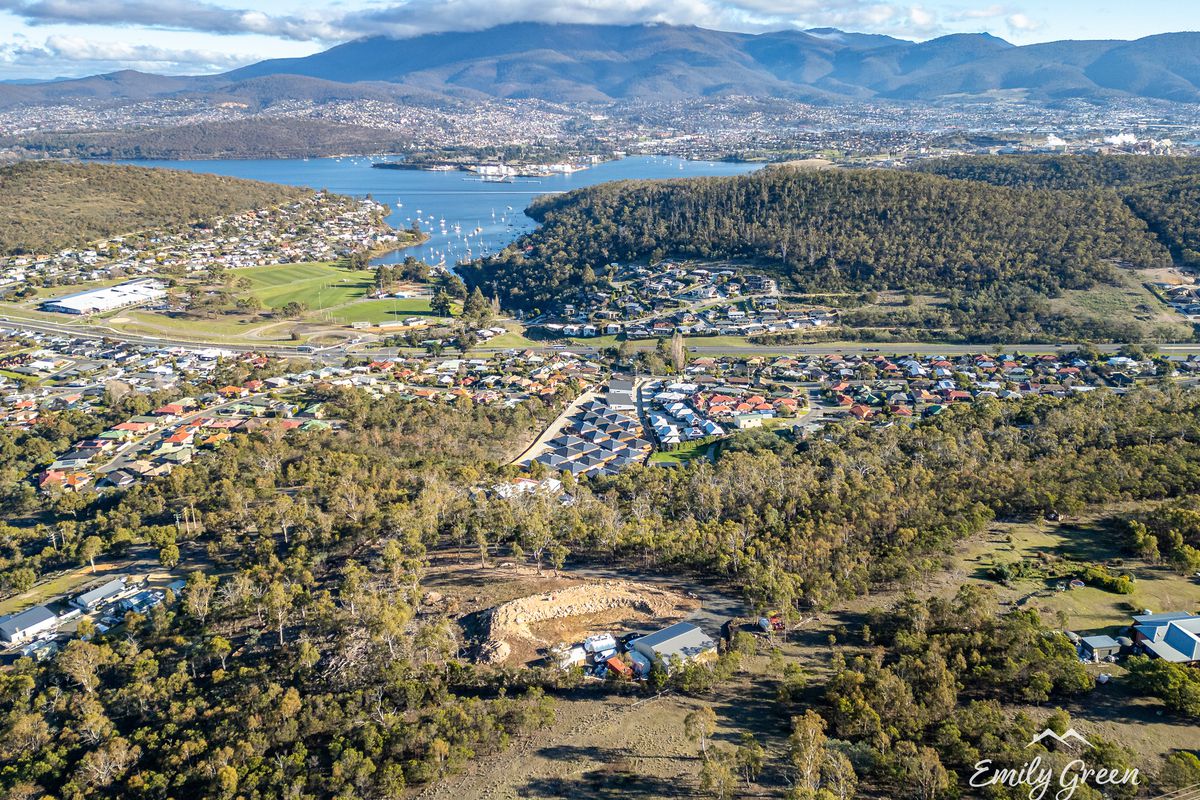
{"type": "Point", "coordinates": [68, 329]}
{"type": "Point", "coordinates": [552, 430]}
{"type": "Point", "coordinates": [338, 353]}
{"type": "Point", "coordinates": [146, 443]}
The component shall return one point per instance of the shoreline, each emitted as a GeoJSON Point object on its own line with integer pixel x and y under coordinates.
{"type": "Point", "coordinates": [374, 253]}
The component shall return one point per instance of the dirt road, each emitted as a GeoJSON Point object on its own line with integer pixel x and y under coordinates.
{"type": "Point", "coordinates": [539, 444]}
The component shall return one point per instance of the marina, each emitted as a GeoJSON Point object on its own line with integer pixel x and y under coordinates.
{"type": "Point", "coordinates": [465, 214]}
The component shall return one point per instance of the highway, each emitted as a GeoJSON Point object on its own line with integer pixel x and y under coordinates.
{"type": "Point", "coordinates": [85, 332]}
{"type": "Point", "coordinates": [337, 353]}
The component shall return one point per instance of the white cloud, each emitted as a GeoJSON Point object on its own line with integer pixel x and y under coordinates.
{"type": "Point", "coordinates": [337, 22]}
{"type": "Point", "coordinates": [63, 49]}
{"type": "Point", "coordinates": [1022, 23]}
{"type": "Point", "coordinates": [413, 17]}
{"type": "Point", "coordinates": [989, 12]}
{"type": "Point", "coordinates": [188, 15]}
{"type": "Point", "coordinates": [921, 17]}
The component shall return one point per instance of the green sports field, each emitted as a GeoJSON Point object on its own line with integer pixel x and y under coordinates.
{"type": "Point", "coordinates": [383, 311]}
{"type": "Point", "coordinates": [318, 286]}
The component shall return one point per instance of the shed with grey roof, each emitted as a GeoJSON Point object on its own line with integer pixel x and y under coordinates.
{"type": "Point", "coordinates": [683, 641]}
{"type": "Point", "coordinates": [28, 624]}
{"type": "Point", "coordinates": [1097, 648]}
{"type": "Point", "coordinates": [94, 597]}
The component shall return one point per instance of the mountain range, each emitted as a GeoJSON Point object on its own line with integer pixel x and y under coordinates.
{"type": "Point", "coordinates": [650, 63]}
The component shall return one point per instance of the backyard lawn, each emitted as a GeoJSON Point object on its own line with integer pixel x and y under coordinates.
{"type": "Point", "coordinates": [685, 452]}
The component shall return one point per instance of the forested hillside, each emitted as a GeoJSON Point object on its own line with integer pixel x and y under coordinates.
{"type": "Point", "coordinates": [51, 205]}
{"type": "Point", "coordinates": [1172, 210]}
{"type": "Point", "coordinates": [242, 138]}
{"type": "Point", "coordinates": [1061, 171]}
{"type": "Point", "coordinates": [303, 661]}
{"type": "Point", "coordinates": [827, 230]}
{"type": "Point", "coordinates": [1164, 192]}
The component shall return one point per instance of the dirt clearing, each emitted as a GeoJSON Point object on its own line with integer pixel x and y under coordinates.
{"type": "Point", "coordinates": [518, 629]}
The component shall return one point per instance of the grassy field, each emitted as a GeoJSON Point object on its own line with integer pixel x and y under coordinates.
{"type": "Point", "coordinates": [340, 293]}
{"type": "Point", "coordinates": [1130, 300]}
{"type": "Point", "coordinates": [513, 339]}
{"type": "Point", "coordinates": [1087, 541]}
{"type": "Point", "coordinates": [318, 286]}
{"type": "Point", "coordinates": [156, 324]}
{"type": "Point", "coordinates": [383, 311]}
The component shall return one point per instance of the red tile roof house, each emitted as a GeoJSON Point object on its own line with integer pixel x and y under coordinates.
{"type": "Point", "coordinates": [169, 410]}
{"type": "Point", "coordinates": [179, 437]}
{"type": "Point", "coordinates": [216, 439]}
{"type": "Point", "coordinates": [77, 480]}
{"type": "Point", "coordinates": [233, 391]}
{"type": "Point", "coordinates": [71, 481]}
{"type": "Point", "coordinates": [134, 427]}
{"type": "Point", "coordinates": [861, 412]}
{"type": "Point", "coordinates": [51, 478]}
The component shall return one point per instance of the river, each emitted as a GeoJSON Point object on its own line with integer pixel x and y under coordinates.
{"type": "Point", "coordinates": [464, 216]}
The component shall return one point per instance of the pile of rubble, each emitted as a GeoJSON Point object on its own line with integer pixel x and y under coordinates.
{"type": "Point", "coordinates": [513, 619]}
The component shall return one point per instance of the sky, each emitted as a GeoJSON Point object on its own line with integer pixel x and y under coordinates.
{"type": "Point", "coordinates": [69, 38]}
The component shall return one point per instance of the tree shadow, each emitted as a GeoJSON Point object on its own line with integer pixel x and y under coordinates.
{"type": "Point", "coordinates": [1097, 541]}
{"type": "Point", "coordinates": [612, 755]}
{"type": "Point", "coordinates": [607, 783]}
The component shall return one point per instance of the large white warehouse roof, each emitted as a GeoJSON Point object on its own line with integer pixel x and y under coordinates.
{"type": "Point", "coordinates": [109, 298]}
